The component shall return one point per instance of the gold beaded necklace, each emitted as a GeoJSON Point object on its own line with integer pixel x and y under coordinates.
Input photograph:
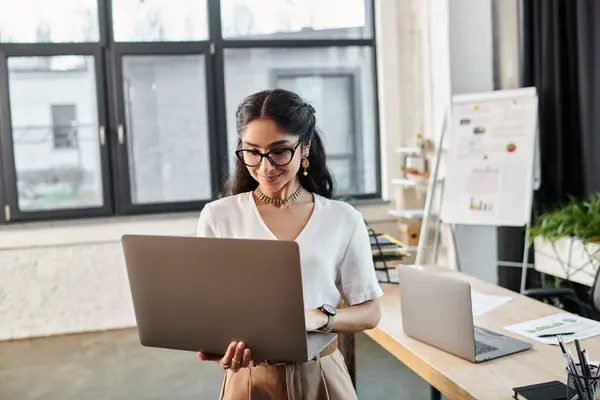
{"type": "Point", "coordinates": [279, 202]}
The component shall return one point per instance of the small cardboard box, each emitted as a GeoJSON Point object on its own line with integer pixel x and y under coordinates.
{"type": "Point", "coordinates": [408, 231]}
{"type": "Point", "coordinates": [410, 198]}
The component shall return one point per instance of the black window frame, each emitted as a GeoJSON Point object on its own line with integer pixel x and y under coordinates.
{"type": "Point", "coordinates": [353, 74]}
{"type": "Point", "coordinates": [111, 112]}
{"type": "Point", "coordinates": [9, 173]}
{"type": "Point", "coordinates": [126, 204]}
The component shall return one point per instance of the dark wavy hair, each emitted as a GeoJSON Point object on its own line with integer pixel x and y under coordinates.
{"type": "Point", "coordinates": [294, 116]}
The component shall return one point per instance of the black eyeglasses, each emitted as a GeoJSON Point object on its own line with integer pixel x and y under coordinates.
{"type": "Point", "coordinates": [278, 157]}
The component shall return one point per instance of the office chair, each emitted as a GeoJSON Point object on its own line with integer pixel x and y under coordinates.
{"type": "Point", "coordinates": [379, 256]}
{"type": "Point", "coordinates": [379, 244]}
{"type": "Point", "coordinates": [569, 300]}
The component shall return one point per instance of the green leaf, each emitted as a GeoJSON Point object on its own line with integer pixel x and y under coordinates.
{"type": "Point", "coordinates": [579, 218]}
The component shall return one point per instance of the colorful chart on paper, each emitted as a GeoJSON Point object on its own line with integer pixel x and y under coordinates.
{"type": "Point", "coordinates": [490, 159]}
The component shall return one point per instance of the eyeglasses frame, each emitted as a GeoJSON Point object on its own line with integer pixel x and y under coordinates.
{"type": "Point", "coordinates": [239, 154]}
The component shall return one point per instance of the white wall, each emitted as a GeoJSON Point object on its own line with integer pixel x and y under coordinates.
{"type": "Point", "coordinates": [437, 76]}
{"type": "Point", "coordinates": [457, 49]}
{"type": "Point", "coordinates": [59, 278]}
{"type": "Point", "coordinates": [69, 276]}
{"type": "Point", "coordinates": [471, 46]}
{"type": "Point", "coordinates": [470, 55]}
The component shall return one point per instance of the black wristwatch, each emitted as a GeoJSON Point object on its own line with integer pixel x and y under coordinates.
{"type": "Point", "coordinates": [330, 311]}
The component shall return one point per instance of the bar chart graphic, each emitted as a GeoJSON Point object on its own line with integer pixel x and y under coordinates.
{"type": "Point", "coordinates": [479, 205]}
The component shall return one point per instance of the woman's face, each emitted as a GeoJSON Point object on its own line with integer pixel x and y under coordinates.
{"type": "Point", "coordinates": [264, 136]}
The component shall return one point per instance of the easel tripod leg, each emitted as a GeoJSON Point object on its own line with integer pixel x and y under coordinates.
{"type": "Point", "coordinates": [525, 264]}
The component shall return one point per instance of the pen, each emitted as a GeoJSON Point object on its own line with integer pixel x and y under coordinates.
{"type": "Point", "coordinates": [546, 335]}
{"type": "Point", "coordinates": [586, 363]}
{"type": "Point", "coordinates": [571, 366]}
{"type": "Point", "coordinates": [584, 368]}
{"type": "Point", "coordinates": [578, 378]}
{"type": "Point", "coordinates": [588, 372]}
{"type": "Point", "coordinates": [580, 356]}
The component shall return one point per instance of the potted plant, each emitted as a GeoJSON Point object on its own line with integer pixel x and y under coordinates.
{"type": "Point", "coordinates": [567, 240]}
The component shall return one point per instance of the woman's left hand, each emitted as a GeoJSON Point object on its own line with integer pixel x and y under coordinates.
{"type": "Point", "coordinates": [315, 319]}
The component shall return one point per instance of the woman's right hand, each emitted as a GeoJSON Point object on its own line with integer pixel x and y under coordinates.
{"type": "Point", "coordinates": [236, 357]}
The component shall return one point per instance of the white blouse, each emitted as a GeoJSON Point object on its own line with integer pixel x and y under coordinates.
{"type": "Point", "coordinates": [335, 251]}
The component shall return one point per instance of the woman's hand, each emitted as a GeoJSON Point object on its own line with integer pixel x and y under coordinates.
{"type": "Point", "coordinates": [315, 320]}
{"type": "Point", "coordinates": [236, 357]}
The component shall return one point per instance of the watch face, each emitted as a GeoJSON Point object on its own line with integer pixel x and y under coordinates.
{"type": "Point", "coordinates": [329, 309]}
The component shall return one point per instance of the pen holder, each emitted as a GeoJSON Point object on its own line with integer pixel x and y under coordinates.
{"type": "Point", "coordinates": [580, 382]}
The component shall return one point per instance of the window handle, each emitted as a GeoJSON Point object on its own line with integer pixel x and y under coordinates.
{"type": "Point", "coordinates": [121, 134]}
{"type": "Point", "coordinates": [102, 134]}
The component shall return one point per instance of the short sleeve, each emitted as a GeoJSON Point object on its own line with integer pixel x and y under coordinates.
{"type": "Point", "coordinates": [357, 280]}
{"type": "Point", "coordinates": [206, 226]}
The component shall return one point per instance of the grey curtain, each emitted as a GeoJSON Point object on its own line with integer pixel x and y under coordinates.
{"type": "Point", "coordinates": [561, 58]}
{"type": "Point", "coordinates": [588, 56]}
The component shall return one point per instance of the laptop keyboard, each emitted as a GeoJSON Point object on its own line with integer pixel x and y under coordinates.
{"type": "Point", "coordinates": [482, 348]}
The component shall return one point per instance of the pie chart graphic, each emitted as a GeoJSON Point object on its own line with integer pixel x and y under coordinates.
{"type": "Point", "coordinates": [511, 147]}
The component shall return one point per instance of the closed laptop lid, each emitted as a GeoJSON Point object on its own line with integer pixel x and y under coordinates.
{"type": "Point", "coordinates": [436, 309]}
{"type": "Point", "coordinates": [196, 294]}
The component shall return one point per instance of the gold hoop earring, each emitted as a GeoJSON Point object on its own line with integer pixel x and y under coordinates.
{"type": "Point", "coordinates": [305, 165]}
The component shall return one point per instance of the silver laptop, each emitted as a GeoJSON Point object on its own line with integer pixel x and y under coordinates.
{"type": "Point", "coordinates": [200, 294]}
{"type": "Point", "coordinates": [436, 309]}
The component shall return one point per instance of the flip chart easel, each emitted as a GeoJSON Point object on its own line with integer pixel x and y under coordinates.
{"type": "Point", "coordinates": [491, 172]}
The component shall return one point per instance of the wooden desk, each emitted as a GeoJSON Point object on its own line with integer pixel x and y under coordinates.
{"type": "Point", "coordinates": [460, 379]}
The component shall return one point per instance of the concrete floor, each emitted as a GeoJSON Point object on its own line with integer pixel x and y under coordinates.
{"type": "Point", "coordinates": [113, 365]}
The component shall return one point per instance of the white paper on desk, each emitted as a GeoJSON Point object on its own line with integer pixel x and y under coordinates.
{"type": "Point", "coordinates": [383, 277]}
{"type": "Point", "coordinates": [483, 302]}
{"type": "Point", "coordinates": [557, 323]}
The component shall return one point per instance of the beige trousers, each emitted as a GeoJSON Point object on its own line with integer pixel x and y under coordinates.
{"type": "Point", "coordinates": [325, 378]}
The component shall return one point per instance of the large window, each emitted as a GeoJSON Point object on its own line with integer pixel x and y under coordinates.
{"type": "Point", "coordinates": [43, 21]}
{"type": "Point", "coordinates": [165, 112]}
{"type": "Point", "coordinates": [338, 81]}
{"type": "Point", "coordinates": [159, 20]}
{"type": "Point", "coordinates": [122, 107]}
{"type": "Point", "coordinates": [54, 131]}
{"type": "Point", "coordinates": [296, 19]}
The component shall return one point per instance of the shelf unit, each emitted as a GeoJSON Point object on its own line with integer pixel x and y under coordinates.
{"type": "Point", "coordinates": [411, 183]}
{"type": "Point", "coordinates": [407, 214]}
{"type": "Point", "coordinates": [409, 151]}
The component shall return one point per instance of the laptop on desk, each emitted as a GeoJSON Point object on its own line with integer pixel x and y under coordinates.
{"type": "Point", "coordinates": [436, 309]}
{"type": "Point", "coordinates": [200, 294]}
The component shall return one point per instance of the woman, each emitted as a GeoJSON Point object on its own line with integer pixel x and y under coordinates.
{"type": "Point", "coordinates": [281, 190]}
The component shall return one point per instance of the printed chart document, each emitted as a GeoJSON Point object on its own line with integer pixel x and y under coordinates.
{"type": "Point", "coordinates": [582, 328]}
{"type": "Point", "coordinates": [490, 159]}
{"type": "Point", "coordinates": [483, 302]}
